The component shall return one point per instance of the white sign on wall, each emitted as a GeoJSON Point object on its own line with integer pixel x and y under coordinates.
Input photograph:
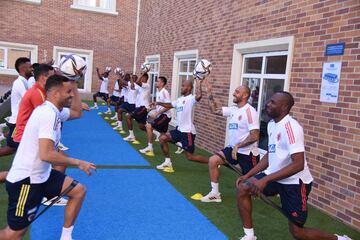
{"type": "Point", "coordinates": [330, 82]}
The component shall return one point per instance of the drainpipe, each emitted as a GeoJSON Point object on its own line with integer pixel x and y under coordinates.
{"type": "Point", "coordinates": [136, 34]}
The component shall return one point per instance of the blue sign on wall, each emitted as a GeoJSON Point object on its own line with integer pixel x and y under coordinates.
{"type": "Point", "coordinates": [336, 49]}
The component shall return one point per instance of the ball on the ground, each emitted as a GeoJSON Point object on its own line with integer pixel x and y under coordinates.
{"type": "Point", "coordinates": [145, 67]}
{"type": "Point", "coordinates": [202, 69]}
{"type": "Point", "coordinates": [72, 66]}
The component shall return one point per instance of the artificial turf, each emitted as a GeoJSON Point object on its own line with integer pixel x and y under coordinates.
{"type": "Point", "coordinates": [190, 178]}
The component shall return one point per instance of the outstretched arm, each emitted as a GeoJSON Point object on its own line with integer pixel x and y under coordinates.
{"type": "Point", "coordinates": [165, 105]}
{"type": "Point", "coordinates": [98, 73]}
{"type": "Point", "coordinates": [212, 104]}
{"type": "Point", "coordinates": [198, 95]}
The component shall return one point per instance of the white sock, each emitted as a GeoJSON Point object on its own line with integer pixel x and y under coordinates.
{"type": "Point", "coordinates": [249, 232]}
{"type": "Point", "coordinates": [109, 109]}
{"type": "Point", "coordinates": [215, 187]}
{"type": "Point", "coordinates": [167, 160]}
{"type": "Point", "coordinates": [95, 104]}
{"type": "Point", "coordinates": [66, 233]}
{"type": "Point", "coordinates": [131, 133]}
{"type": "Point", "coordinates": [116, 115]}
{"type": "Point", "coordinates": [119, 123]}
{"type": "Point", "coordinates": [150, 145]}
{"type": "Point", "coordinates": [156, 133]}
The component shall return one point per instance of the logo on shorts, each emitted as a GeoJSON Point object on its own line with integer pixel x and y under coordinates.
{"type": "Point", "coordinates": [272, 148]}
{"type": "Point", "coordinates": [233, 126]}
{"type": "Point", "coordinates": [294, 214]}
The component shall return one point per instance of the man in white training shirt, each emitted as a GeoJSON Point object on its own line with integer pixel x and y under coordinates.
{"type": "Point", "coordinates": [103, 93]}
{"type": "Point", "coordinates": [185, 132]}
{"type": "Point", "coordinates": [124, 107]}
{"type": "Point", "coordinates": [284, 171]}
{"type": "Point", "coordinates": [31, 177]}
{"type": "Point", "coordinates": [19, 88]}
{"type": "Point", "coordinates": [243, 131]}
{"type": "Point", "coordinates": [160, 116]}
{"type": "Point", "coordinates": [141, 106]}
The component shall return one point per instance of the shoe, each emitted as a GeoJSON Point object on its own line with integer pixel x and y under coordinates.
{"type": "Point", "coordinates": [164, 165]}
{"type": "Point", "coordinates": [114, 117]}
{"type": "Point", "coordinates": [61, 202]}
{"type": "Point", "coordinates": [94, 107]}
{"type": "Point", "coordinates": [129, 138]}
{"type": "Point", "coordinates": [248, 238]}
{"type": "Point", "coordinates": [344, 237]}
{"type": "Point", "coordinates": [108, 112]}
{"type": "Point", "coordinates": [145, 150]}
{"type": "Point", "coordinates": [179, 150]}
{"type": "Point", "coordinates": [62, 147]}
{"type": "Point", "coordinates": [118, 127]}
{"type": "Point", "coordinates": [211, 197]}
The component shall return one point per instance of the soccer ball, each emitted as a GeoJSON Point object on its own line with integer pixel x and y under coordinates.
{"type": "Point", "coordinates": [202, 69]}
{"type": "Point", "coordinates": [72, 66]}
{"type": "Point", "coordinates": [145, 67]}
{"type": "Point", "coordinates": [108, 69]}
{"type": "Point", "coordinates": [119, 71]}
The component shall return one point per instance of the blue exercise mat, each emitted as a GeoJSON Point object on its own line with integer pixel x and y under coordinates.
{"type": "Point", "coordinates": [93, 139]}
{"type": "Point", "coordinates": [129, 204]}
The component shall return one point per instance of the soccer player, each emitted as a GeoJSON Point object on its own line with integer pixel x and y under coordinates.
{"type": "Point", "coordinates": [103, 93]}
{"type": "Point", "coordinates": [117, 98]}
{"type": "Point", "coordinates": [243, 131]}
{"type": "Point", "coordinates": [185, 131]}
{"type": "Point", "coordinates": [141, 105]}
{"type": "Point", "coordinates": [161, 116]}
{"type": "Point", "coordinates": [284, 171]}
{"type": "Point", "coordinates": [19, 87]}
{"type": "Point", "coordinates": [31, 176]}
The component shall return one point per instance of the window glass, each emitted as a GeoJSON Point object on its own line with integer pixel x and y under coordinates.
{"type": "Point", "coordinates": [14, 54]}
{"type": "Point", "coordinates": [253, 65]}
{"type": "Point", "coordinates": [2, 58]}
{"type": "Point", "coordinates": [276, 64]}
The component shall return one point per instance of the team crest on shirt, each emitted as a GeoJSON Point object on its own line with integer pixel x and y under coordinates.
{"type": "Point", "coordinates": [272, 148]}
{"type": "Point", "coordinates": [278, 136]}
{"type": "Point", "coordinates": [233, 126]}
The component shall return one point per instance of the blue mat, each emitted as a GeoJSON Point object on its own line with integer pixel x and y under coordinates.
{"type": "Point", "coordinates": [92, 139]}
{"type": "Point", "coordinates": [129, 204]}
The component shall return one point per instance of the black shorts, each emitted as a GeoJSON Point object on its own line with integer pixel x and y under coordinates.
{"type": "Point", "coordinates": [104, 96]}
{"type": "Point", "coordinates": [114, 99]}
{"type": "Point", "coordinates": [140, 114]}
{"type": "Point", "coordinates": [25, 198]}
{"type": "Point", "coordinates": [161, 123]}
{"type": "Point", "coordinates": [293, 198]}
{"type": "Point", "coordinates": [127, 107]}
{"type": "Point", "coordinates": [187, 139]}
{"type": "Point", "coordinates": [9, 139]}
{"type": "Point", "coordinates": [246, 162]}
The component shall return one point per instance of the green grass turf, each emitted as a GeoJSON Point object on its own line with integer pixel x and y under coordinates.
{"type": "Point", "coordinates": [190, 178]}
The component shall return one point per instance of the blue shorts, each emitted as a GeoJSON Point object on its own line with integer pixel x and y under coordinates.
{"type": "Point", "coordinates": [114, 99]}
{"type": "Point", "coordinates": [246, 162]}
{"type": "Point", "coordinates": [9, 139]}
{"type": "Point", "coordinates": [161, 123]}
{"type": "Point", "coordinates": [25, 198]}
{"type": "Point", "coordinates": [127, 107]}
{"type": "Point", "coordinates": [293, 198]}
{"type": "Point", "coordinates": [140, 114]}
{"type": "Point", "coordinates": [104, 96]}
{"type": "Point", "coordinates": [187, 140]}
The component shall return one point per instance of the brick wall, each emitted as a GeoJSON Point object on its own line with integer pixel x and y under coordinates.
{"type": "Point", "coordinates": [332, 131]}
{"type": "Point", "coordinates": [54, 23]}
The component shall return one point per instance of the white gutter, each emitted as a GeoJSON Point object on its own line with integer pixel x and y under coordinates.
{"type": "Point", "coordinates": [136, 34]}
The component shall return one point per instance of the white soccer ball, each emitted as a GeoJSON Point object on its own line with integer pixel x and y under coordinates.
{"type": "Point", "coordinates": [72, 66]}
{"type": "Point", "coordinates": [202, 69]}
{"type": "Point", "coordinates": [145, 67]}
{"type": "Point", "coordinates": [119, 71]}
{"type": "Point", "coordinates": [108, 69]}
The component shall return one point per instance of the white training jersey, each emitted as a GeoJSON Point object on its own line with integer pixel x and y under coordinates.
{"type": "Point", "coordinates": [143, 95]}
{"type": "Point", "coordinates": [116, 92]}
{"type": "Point", "coordinates": [285, 138]}
{"type": "Point", "coordinates": [104, 85]}
{"type": "Point", "coordinates": [44, 122]}
{"type": "Point", "coordinates": [162, 96]}
{"type": "Point", "coordinates": [184, 107]}
{"type": "Point", "coordinates": [131, 95]}
{"type": "Point", "coordinates": [124, 93]}
{"type": "Point", "coordinates": [19, 88]}
{"type": "Point", "coordinates": [31, 81]}
{"type": "Point", "coordinates": [241, 122]}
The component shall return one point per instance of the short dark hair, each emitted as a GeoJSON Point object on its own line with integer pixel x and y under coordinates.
{"type": "Point", "coordinates": [146, 76]}
{"type": "Point", "coordinates": [127, 77]}
{"type": "Point", "coordinates": [135, 77]}
{"type": "Point", "coordinates": [35, 65]}
{"type": "Point", "coordinates": [55, 81]}
{"type": "Point", "coordinates": [163, 79]}
{"type": "Point", "coordinates": [20, 61]}
{"type": "Point", "coordinates": [42, 69]}
{"type": "Point", "coordinates": [289, 99]}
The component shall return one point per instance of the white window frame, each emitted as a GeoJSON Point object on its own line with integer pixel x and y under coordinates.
{"type": "Point", "coordinates": [37, 2]}
{"type": "Point", "coordinates": [270, 45]}
{"type": "Point", "coordinates": [179, 55]}
{"type": "Point", "coordinates": [110, 11]}
{"type": "Point", "coordinates": [28, 47]}
{"type": "Point", "coordinates": [81, 52]}
{"type": "Point", "coordinates": [153, 59]}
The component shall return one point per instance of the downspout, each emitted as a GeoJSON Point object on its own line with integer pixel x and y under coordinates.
{"type": "Point", "coordinates": [136, 34]}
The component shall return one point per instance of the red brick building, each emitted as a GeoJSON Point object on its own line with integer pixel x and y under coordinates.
{"type": "Point", "coordinates": [268, 45]}
{"type": "Point", "coordinates": [101, 31]}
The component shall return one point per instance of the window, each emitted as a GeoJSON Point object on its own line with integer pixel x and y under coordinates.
{"type": "Point", "coordinates": [186, 68]}
{"type": "Point", "coordinates": [102, 6]}
{"type": "Point", "coordinates": [264, 66]}
{"type": "Point", "coordinates": [9, 52]}
{"type": "Point", "coordinates": [85, 82]}
{"type": "Point", "coordinates": [31, 1]}
{"type": "Point", "coordinates": [153, 73]}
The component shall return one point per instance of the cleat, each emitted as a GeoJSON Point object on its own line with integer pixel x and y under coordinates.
{"type": "Point", "coordinates": [164, 165]}
{"type": "Point", "coordinates": [211, 197]}
{"type": "Point", "coordinates": [60, 202]}
{"type": "Point", "coordinates": [145, 150]}
{"type": "Point", "coordinates": [114, 117]}
{"type": "Point", "coordinates": [94, 107]}
{"type": "Point", "coordinates": [129, 139]}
